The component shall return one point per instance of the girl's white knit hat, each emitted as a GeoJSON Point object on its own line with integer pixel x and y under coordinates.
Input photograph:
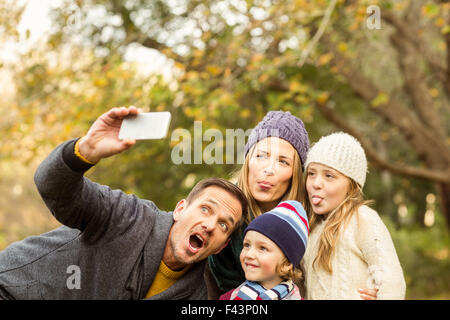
{"type": "Point", "coordinates": [341, 152]}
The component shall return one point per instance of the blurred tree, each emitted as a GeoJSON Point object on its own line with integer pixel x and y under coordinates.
{"type": "Point", "coordinates": [231, 61]}
{"type": "Point", "coordinates": [236, 59]}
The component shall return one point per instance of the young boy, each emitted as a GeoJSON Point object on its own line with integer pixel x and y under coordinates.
{"type": "Point", "coordinates": [274, 244]}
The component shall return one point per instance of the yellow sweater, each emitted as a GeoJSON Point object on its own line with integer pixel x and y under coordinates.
{"type": "Point", "coordinates": [165, 277]}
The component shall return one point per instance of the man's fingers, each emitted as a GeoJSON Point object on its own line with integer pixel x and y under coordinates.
{"type": "Point", "coordinates": [122, 112]}
{"type": "Point", "coordinates": [129, 142]}
{"type": "Point", "coordinates": [134, 110]}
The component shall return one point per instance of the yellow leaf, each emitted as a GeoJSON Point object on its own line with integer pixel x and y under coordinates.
{"type": "Point", "coordinates": [381, 98]}
{"type": "Point", "coordinates": [257, 57]}
{"type": "Point", "coordinates": [434, 92]}
{"type": "Point", "coordinates": [263, 77]}
{"type": "Point", "coordinates": [325, 58]}
{"type": "Point", "coordinates": [445, 29]}
{"type": "Point", "coordinates": [100, 82]}
{"type": "Point", "coordinates": [323, 97]}
{"type": "Point", "coordinates": [244, 113]}
{"type": "Point", "coordinates": [179, 65]}
{"type": "Point", "coordinates": [214, 70]}
{"type": "Point", "coordinates": [297, 87]}
{"type": "Point", "coordinates": [440, 22]}
{"type": "Point", "coordinates": [342, 47]}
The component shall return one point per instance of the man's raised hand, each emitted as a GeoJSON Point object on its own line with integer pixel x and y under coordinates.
{"type": "Point", "coordinates": [102, 139]}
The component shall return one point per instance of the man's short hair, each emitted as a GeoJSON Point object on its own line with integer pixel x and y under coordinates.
{"type": "Point", "coordinates": [225, 185]}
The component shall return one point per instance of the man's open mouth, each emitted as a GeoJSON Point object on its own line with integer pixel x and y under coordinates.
{"type": "Point", "coordinates": [195, 242]}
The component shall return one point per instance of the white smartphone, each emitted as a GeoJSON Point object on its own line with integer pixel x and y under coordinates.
{"type": "Point", "coordinates": [149, 125]}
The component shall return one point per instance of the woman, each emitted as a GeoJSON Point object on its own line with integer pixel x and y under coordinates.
{"type": "Point", "coordinates": [272, 172]}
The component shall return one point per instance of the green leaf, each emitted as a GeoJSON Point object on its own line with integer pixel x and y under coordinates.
{"type": "Point", "coordinates": [381, 98]}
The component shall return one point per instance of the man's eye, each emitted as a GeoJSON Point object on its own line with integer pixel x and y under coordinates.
{"type": "Point", "coordinates": [224, 226]}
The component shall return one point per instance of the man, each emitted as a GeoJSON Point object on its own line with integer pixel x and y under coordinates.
{"type": "Point", "coordinates": [114, 245]}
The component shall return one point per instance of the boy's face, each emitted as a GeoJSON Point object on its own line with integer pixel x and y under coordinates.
{"type": "Point", "coordinates": [260, 257]}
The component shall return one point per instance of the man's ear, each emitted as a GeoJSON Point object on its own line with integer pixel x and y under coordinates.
{"type": "Point", "coordinates": [181, 205]}
{"type": "Point", "coordinates": [224, 245]}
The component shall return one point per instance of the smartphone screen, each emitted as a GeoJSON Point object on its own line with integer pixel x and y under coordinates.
{"type": "Point", "coordinates": [149, 125]}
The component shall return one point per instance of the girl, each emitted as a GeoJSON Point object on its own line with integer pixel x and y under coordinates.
{"type": "Point", "coordinates": [274, 244]}
{"type": "Point", "coordinates": [349, 245]}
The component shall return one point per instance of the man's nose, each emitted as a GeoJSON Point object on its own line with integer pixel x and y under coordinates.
{"type": "Point", "coordinates": [209, 224]}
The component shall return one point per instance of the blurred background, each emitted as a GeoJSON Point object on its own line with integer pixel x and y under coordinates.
{"type": "Point", "coordinates": [379, 70]}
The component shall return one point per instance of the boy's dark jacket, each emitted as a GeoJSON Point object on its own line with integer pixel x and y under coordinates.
{"type": "Point", "coordinates": [115, 239]}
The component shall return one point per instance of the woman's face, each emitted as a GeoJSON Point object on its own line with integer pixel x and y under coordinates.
{"type": "Point", "coordinates": [270, 171]}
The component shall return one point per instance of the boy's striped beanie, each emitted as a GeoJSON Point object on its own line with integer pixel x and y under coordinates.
{"type": "Point", "coordinates": [287, 226]}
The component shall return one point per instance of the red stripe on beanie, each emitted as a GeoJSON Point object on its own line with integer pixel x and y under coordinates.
{"type": "Point", "coordinates": [292, 208]}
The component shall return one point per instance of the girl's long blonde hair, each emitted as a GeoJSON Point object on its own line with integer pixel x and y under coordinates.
{"type": "Point", "coordinates": [295, 191]}
{"type": "Point", "coordinates": [335, 223]}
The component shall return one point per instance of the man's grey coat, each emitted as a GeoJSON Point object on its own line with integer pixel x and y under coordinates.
{"type": "Point", "coordinates": [115, 241]}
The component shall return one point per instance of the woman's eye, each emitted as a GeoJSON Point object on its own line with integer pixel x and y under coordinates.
{"type": "Point", "coordinates": [261, 155]}
{"type": "Point", "coordinates": [264, 249]}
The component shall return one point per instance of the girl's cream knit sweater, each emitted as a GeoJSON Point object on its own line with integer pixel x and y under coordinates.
{"type": "Point", "coordinates": [364, 257]}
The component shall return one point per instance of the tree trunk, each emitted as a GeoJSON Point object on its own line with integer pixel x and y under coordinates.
{"type": "Point", "coordinates": [444, 196]}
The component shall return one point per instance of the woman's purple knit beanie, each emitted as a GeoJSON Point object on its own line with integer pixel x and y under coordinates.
{"type": "Point", "coordinates": [282, 125]}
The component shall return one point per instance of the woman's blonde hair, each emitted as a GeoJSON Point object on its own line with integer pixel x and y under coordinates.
{"type": "Point", "coordinates": [336, 221]}
{"type": "Point", "coordinates": [295, 191]}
